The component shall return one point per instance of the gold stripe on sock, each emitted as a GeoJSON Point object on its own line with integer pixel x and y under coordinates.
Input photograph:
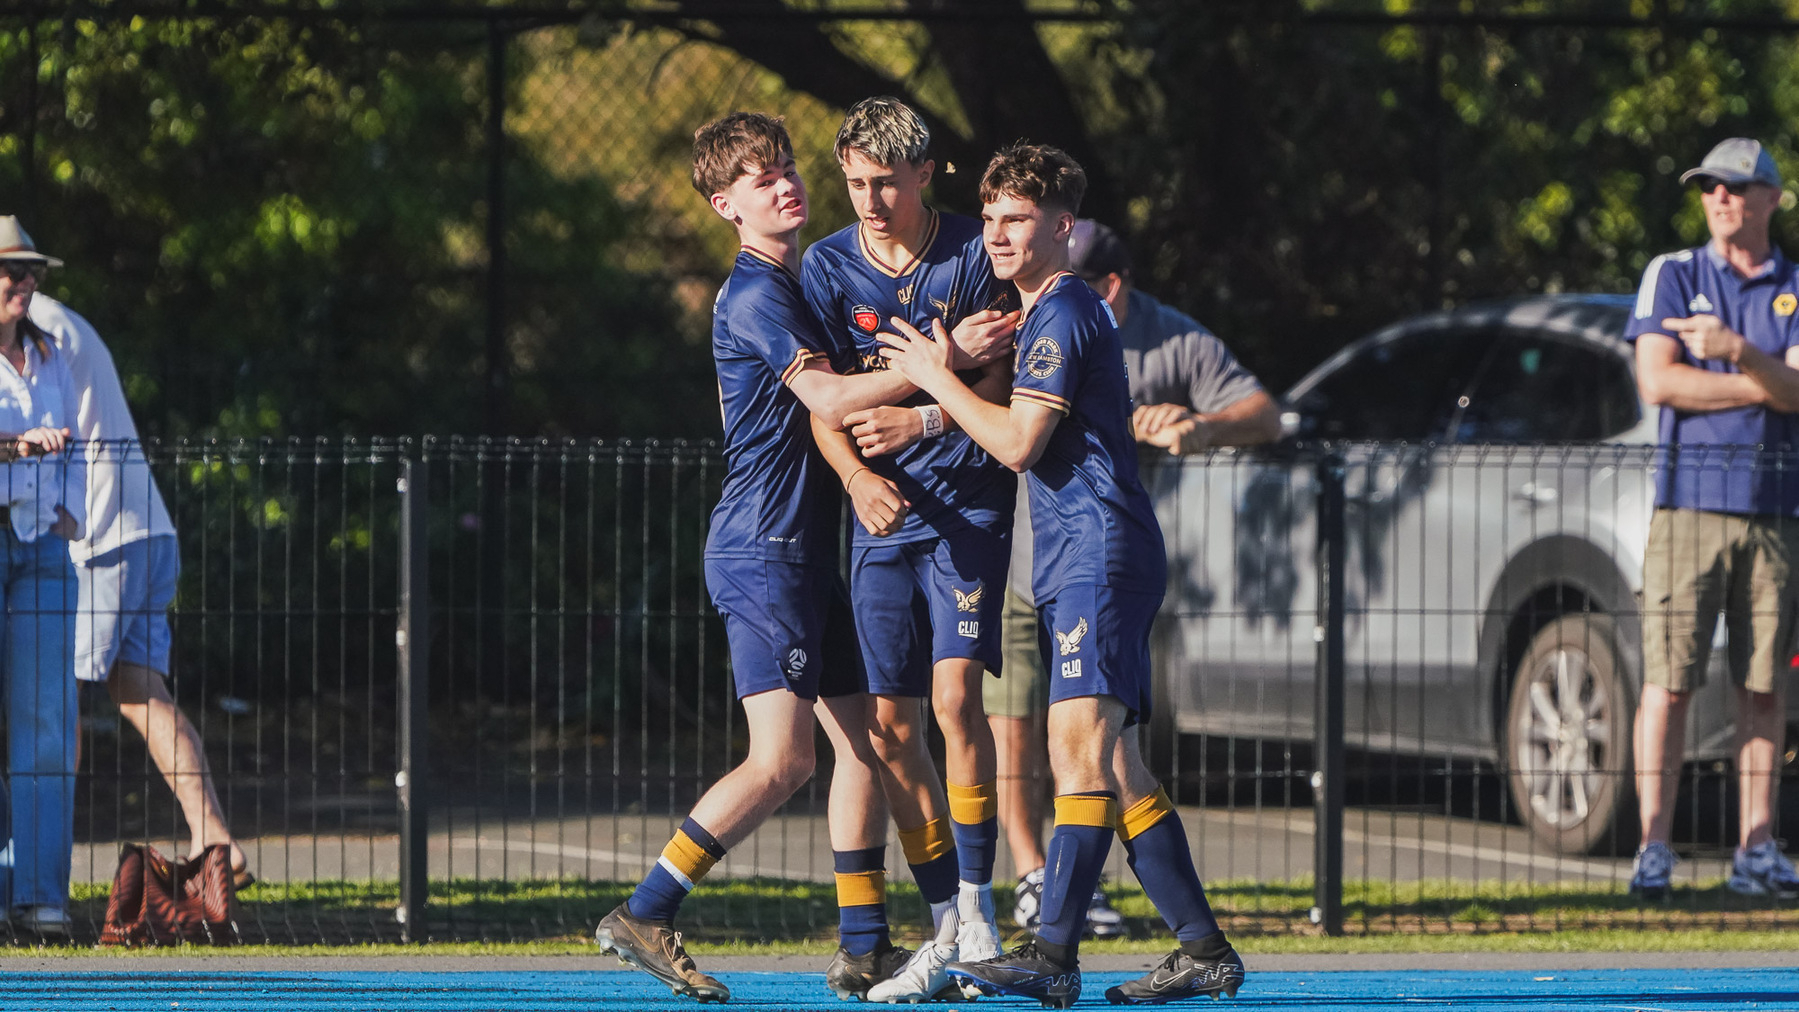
{"type": "Point", "coordinates": [689, 857]}
{"type": "Point", "coordinates": [861, 888]}
{"type": "Point", "coordinates": [973, 805]}
{"type": "Point", "coordinates": [1086, 810]}
{"type": "Point", "coordinates": [1138, 818]}
{"type": "Point", "coordinates": [928, 842]}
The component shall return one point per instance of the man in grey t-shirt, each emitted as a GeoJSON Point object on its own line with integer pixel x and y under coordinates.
{"type": "Point", "coordinates": [1191, 394]}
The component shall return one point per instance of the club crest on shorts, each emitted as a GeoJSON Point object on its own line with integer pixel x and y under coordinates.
{"type": "Point", "coordinates": [1044, 358]}
{"type": "Point", "coordinates": [970, 601]}
{"type": "Point", "coordinates": [866, 318]}
{"type": "Point", "coordinates": [796, 664]}
{"type": "Point", "coordinates": [1070, 641]}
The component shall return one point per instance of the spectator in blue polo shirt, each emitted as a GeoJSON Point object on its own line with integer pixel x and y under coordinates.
{"type": "Point", "coordinates": [1717, 347]}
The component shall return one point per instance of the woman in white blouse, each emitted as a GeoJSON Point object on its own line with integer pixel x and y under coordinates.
{"type": "Point", "coordinates": [43, 503]}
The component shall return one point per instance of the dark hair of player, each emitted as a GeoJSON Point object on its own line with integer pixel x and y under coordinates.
{"type": "Point", "coordinates": [743, 143]}
{"type": "Point", "coordinates": [1044, 175]}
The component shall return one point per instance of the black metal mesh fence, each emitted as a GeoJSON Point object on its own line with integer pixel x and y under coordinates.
{"type": "Point", "coordinates": [579, 698]}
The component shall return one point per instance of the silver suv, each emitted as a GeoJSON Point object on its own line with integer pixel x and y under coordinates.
{"type": "Point", "coordinates": [1499, 486]}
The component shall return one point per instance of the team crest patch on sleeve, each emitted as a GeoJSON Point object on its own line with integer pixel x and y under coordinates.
{"type": "Point", "coordinates": [866, 318]}
{"type": "Point", "coordinates": [1785, 303]}
{"type": "Point", "coordinates": [970, 601]}
{"type": "Point", "coordinates": [1044, 358]}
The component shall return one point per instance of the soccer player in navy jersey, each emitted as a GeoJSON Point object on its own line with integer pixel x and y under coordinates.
{"type": "Point", "coordinates": [928, 573]}
{"type": "Point", "coordinates": [1098, 576]}
{"type": "Point", "coordinates": [771, 570]}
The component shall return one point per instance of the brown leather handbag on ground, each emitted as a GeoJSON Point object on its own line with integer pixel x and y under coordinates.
{"type": "Point", "coordinates": [156, 901]}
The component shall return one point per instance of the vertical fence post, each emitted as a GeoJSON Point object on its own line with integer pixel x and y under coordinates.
{"type": "Point", "coordinates": [412, 638]}
{"type": "Point", "coordinates": [1327, 775]}
{"type": "Point", "coordinates": [496, 392]}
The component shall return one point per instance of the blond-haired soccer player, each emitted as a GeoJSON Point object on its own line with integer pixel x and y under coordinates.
{"type": "Point", "coordinates": [1098, 577]}
{"type": "Point", "coordinates": [771, 571]}
{"type": "Point", "coordinates": [928, 564]}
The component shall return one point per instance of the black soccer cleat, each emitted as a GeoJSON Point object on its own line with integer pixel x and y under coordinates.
{"type": "Point", "coordinates": [1181, 976]}
{"type": "Point", "coordinates": [1026, 972]}
{"type": "Point", "coordinates": [851, 976]}
{"type": "Point", "coordinates": [655, 948]}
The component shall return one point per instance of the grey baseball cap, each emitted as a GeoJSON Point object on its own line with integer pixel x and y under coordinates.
{"type": "Point", "coordinates": [1737, 160]}
{"type": "Point", "coordinates": [1095, 251]}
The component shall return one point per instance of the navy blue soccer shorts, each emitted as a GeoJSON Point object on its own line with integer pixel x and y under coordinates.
{"type": "Point", "coordinates": [920, 602]}
{"type": "Point", "coordinates": [788, 626]}
{"type": "Point", "coordinates": [1095, 642]}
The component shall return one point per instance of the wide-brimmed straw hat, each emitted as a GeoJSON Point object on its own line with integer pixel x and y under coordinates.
{"type": "Point", "coordinates": [16, 244]}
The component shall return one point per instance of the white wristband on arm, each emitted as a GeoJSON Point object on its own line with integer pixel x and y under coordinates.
{"type": "Point", "coordinates": [932, 415]}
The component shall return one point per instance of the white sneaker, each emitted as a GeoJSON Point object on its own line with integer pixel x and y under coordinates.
{"type": "Point", "coordinates": [42, 919]}
{"type": "Point", "coordinates": [1763, 871]}
{"type": "Point", "coordinates": [976, 941]}
{"type": "Point", "coordinates": [921, 979]}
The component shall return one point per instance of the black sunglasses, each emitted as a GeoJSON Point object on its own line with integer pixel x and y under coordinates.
{"type": "Point", "coordinates": [1707, 184]}
{"type": "Point", "coordinates": [18, 270]}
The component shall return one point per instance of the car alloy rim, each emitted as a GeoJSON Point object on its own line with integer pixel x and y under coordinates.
{"type": "Point", "coordinates": [1567, 733]}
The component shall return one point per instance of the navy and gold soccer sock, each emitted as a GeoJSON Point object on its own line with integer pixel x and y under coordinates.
{"type": "Point", "coordinates": [931, 855]}
{"type": "Point", "coordinates": [861, 899]}
{"type": "Point", "coordinates": [1077, 854]}
{"type": "Point", "coordinates": [974, 819]}
{"type": "Point", "coordinates": [1155, 843]}
{"type": "Point", "coordinates": [686, 860]}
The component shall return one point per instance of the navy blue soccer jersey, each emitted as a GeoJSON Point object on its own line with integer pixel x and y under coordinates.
{"type": "Point", "coordinates": [1765, 310]}
{"type": "Point", "coordinates": [949, 480]}
{"type": "Point", "coordinates": [780, 500]}
{"type": "Point", "coordinates": [1091, 519]}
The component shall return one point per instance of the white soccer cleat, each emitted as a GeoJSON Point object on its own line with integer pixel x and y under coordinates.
{"type": "Point", "coordinates": [921, 979]}
{"type": "Point", "coordinates": [976, 942]}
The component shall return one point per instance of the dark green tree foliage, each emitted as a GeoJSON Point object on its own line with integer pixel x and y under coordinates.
{"type": "Point", "coordinates": [280, 228]}
{"type": "Point", "coordinates": [1304, 181]}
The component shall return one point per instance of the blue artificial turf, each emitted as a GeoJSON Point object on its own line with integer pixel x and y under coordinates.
{"type": "Point", "coordinates": [492, 991]}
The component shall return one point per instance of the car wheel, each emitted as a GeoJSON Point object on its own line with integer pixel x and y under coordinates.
{"type": "Point", "coordinates": [1568, 738]}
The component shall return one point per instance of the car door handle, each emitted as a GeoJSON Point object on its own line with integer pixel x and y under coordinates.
{"type": "Point", "coordinates": [1535, 495]}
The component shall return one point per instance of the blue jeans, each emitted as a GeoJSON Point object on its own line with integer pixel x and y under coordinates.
{"type": "Point", "coordinates": [37, 649]}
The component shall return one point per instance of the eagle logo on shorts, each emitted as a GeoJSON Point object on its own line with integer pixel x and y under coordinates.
{"type": "Point", "coordinates": [796, 663]}
{"type": "Point", "coordinates": [1070, 641]}
{"type": "Point", "coordinates": [866, 318]}
{"type": "Point", "coordinates": [969, 601]}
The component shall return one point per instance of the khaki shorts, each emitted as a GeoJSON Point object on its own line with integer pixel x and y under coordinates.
{"type": "Point", "coordinates": [1021, 690]}
{"type": "Point", "coordinates": [1699, 564]}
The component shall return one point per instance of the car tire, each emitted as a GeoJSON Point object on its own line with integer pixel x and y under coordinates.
{"type": "Point", "coordinates": [1568, 738]}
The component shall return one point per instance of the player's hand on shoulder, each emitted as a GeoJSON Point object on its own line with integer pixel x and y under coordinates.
{"type": "Point", "coordinates": [884, 431]}
{"type": "Point", "coordinates": [982, 337]}
{"type": "Point", "coordinates": [877, 501]}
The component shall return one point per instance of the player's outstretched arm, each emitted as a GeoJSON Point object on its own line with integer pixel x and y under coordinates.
{"type": "Point", "coordinates": [885, 431]}
{"type": "Point", "coordinates": [878, 503]}
{"type": "Point", "coordinates": [830, 397]}
{"type": "Point", "coordinates": [1014, 434]}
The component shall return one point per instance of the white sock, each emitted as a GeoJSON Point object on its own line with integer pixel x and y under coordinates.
{"type": "Point", "coordinates": [975, 902]}
{"type": "Point", "coordinates": [943, 916]}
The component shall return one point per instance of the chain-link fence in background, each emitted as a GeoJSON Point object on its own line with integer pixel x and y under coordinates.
{"type": "Point", "coordinates": [573, 693]}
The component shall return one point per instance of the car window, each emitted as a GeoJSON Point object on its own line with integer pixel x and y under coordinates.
{"type": "Point", "coordinates": [1545, 388]}
{"type": "Point", "coordinates": [1407, 388]}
